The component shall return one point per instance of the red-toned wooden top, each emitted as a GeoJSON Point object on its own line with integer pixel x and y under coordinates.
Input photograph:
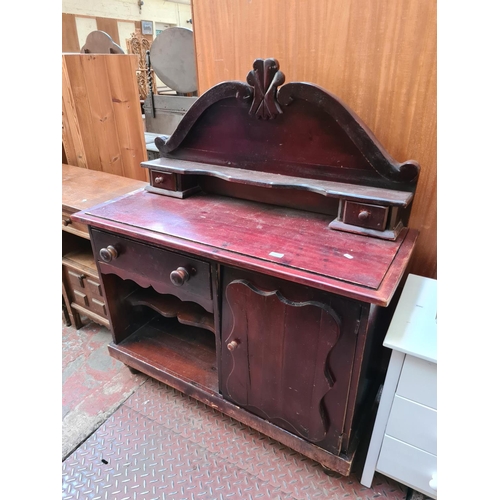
{"type": "Point", "coordinates": [286, 243]}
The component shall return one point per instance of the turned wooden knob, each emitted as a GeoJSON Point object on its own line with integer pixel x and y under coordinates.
{"type": "Point", "coordinates": [158, 180]}
{"type": "Point", "coordinates": [363, 215]}
{"type": "Point", "coordinates": [233, 345]}
{"type": "Point", "coordinates": [179, 276]}
{"type": "Point", "coordinates": [108, 254]}
{"type": "Point", "coordinates": [66, 222]}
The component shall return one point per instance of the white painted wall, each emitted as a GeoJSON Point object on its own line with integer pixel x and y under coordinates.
{"type": "Point", "coordinates": [84, 26]}
{"type": "Point", "coordinates": [125, 30]}
{"type": "Point", "coordinates": [163, 11]}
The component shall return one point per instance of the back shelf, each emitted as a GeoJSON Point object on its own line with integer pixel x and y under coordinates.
{"type": "Point", "coordinates": [169, 306]}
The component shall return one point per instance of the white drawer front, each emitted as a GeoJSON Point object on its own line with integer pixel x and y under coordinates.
{"type": "Point", "coordinates": [418, 381]}
{"type": "Point", "coordinates": [408, 465]}
{"type": "Point", "coordinates": [414, 424]}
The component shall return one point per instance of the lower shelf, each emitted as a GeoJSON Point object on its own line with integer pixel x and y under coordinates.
{"type": "Point", "coordinates": [178, 350]}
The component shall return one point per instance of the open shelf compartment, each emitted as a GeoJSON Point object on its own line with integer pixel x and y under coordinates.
{"type": "Point", "coordinates": [173, 349]}
{"type": "Point", "coordinates": [168, 338]}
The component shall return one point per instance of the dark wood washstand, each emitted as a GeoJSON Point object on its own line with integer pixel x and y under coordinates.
{"type": "Point", "coordinates": [258, 270]}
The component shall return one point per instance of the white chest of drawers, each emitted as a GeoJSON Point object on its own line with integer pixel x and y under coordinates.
{"type": "Point", "coordinates": [403, 445]}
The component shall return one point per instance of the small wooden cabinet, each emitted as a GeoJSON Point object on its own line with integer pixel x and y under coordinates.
{"type": "Point", "coordinates": [404, 440]}
{"type": "Point", "coordinates": [81, 285]}
{"type": "Point", "coordinates": [257, 271]}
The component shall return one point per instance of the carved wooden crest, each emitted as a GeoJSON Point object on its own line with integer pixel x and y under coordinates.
{"type": "Point", "coordinates": [301, 130]}
{"type": "Point", "coordinates": [265, 79]}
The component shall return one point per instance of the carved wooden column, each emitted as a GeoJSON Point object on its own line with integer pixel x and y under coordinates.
{"type": "Point", "coordinates": [139, 45]}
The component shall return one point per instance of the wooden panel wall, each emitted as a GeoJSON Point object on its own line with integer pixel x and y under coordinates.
{"type": "Point", "coordinates": [69, 34]}
{"type": "Point", "coordinates": [73, 147]}
{"type": "Point", "coordinates": [110, 26]}
{"type": "Point", "coordinates": [107, 111]}
{"type": "Point", "coordinates": [378, 57]}
{"type": "Point", "coordinates": [70, 41]}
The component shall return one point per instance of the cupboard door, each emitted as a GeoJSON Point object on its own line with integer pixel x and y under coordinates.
{"type": "Point", "coordinates": [287, 360]}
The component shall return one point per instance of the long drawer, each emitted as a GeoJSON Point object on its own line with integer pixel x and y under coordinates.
{"type": "Point", "coordinates": [72, 226]}
{"type": "Point", "coordinates": [407, 464]}
{"type": "Point", "coordinates": [148, 266]}
{"type": "Point", "coordinates": [414, 424]}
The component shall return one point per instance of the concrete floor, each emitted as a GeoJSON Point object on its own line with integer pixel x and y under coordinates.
{"type": "Point", "coordinates": [129, 436]}
{"type": "Point", "coordinates": [94, 384]}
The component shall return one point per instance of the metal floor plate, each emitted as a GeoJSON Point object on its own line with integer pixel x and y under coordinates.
{"type": "Point", "coordinates": [161, 444]}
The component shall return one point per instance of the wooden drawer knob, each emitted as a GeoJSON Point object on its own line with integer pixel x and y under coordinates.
{"type": "Point", "coordinates": [108, 254]}
{"type": "Point", "coordinates": [363, 215]}
{"type": "Point", "coordinates": [158, 180]}
{"type": "Point", "coordinates": [179, 276]}
{"type": "Point", "coordinates": [231, 346]}
{"type": "Point", "coordinates": [66, 222]}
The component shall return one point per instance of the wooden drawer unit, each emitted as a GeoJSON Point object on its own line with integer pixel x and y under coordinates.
{"type": "Point", "coordinates": [82, 290]}
{"type": "Point", "coordinates": [167, 272]}
{"type": "Point", "coordinates": [87, 287]}
{"type": "Point", "coordinates": [364, 215]}
{"type": "Point", "coordinates": [85, 293]}
{"type": "Point", "coordinates": [163, 180]}
{"type": "Point", "coordinates": [171, 184]}
{"type": "Point", "coordinates": [404, 439]}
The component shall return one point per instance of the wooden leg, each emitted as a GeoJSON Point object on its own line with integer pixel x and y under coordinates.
{"type": "Point", "coordinates": [330, 472]}
{"type": "Point", "coordinates": [67, 319]}
{"type": "Point", "coordinates": [77, 320]}
{"type": "Point", "coordinates": [74, 317]}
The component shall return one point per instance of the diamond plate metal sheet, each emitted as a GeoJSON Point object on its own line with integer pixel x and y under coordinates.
{"type": "Point", "coordinates": [162, 444]}
{"type": "Point", "coordinates": [131, 457]}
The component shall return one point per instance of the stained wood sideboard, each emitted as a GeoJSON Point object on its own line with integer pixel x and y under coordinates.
{"type": "Point", "coordinates": [258, 270]}
{"type": "Point", "coordinates": [81, 287]}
